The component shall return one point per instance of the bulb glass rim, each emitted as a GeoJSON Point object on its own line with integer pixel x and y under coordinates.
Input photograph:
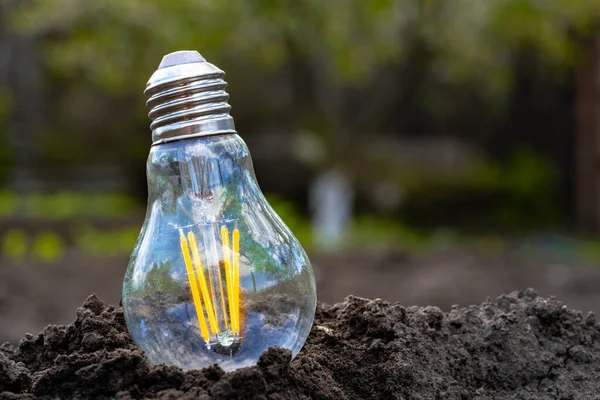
{"type": "Point", "coordinates": [193, 136]}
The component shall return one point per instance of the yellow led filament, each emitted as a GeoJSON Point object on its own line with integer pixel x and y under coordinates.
{"type": "Point", "coordinates": [204, 299]}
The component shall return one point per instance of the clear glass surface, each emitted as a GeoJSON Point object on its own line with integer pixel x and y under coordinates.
{"type": "Point", "coordinates": [215, 276]}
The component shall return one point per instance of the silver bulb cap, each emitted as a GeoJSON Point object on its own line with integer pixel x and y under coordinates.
{"type": "Point", "coordinates": [187, 99]}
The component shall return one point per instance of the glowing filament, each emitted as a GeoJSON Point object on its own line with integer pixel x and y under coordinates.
{"type": "Point", "coordinates": [194, 287]}
{"type": "Point", "coordinates": [236, 280]}
{"type": "Point", "coordinates": [228, 272]}
{"type": "Point", "coordinates": [222, 297]}
{"type": "Point", "coordinates": [204, 299]}
{"type": "Point", "coordinates": [203, 286]}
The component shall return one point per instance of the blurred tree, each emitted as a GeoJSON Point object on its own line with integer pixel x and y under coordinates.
{"type": "Point", "coordinates": [113, 41]}
{"type": "Point", "coordinates": [588, 140]}
{"type": "Point", "coordinates": [347, 67]}
{"type": "Point", "coordinates": [21, 84]}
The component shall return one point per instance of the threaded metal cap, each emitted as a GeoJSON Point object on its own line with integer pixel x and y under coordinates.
{"type": "Point", "coordinates": [187, 98]}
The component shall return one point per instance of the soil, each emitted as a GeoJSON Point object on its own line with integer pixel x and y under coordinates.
{"type": "Point", "coordinates": [517, 346]}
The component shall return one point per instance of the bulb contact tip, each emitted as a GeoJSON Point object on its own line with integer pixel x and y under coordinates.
{"type": "Point", "coordinates": [181, 57]}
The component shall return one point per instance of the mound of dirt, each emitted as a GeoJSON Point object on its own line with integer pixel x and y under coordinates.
{"type": "Point", "coordinates": [517, 346]}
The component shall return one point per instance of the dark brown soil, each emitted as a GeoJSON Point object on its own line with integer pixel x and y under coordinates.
{"type": "Point", "coordinates": [517, 346]}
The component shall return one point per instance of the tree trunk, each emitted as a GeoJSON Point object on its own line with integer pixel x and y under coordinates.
{"type": "Point", "coordinates": [588, 139]}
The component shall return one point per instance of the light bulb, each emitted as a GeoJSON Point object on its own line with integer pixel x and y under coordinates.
{"type": "Point", "coordinates": [215, 276]}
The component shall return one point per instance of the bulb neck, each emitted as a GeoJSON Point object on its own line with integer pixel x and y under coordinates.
{"type": "Point", "coordinates": [188, 100]}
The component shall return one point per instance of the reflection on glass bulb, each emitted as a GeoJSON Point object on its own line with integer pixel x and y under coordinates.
{"type": "Point", "coordinates": [215, 276]}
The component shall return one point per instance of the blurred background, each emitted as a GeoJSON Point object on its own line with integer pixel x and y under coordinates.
{"type": "Point", "coordinates": [423, 151]}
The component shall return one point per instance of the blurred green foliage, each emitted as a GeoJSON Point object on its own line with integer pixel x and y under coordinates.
{"type": "Point", "coordinates": [67, 204]}
{"type": "Point", "coordinates": [109, 243]}
{"type": "Point", "coordinates": [116, 43]}
{"type": "Point", "coordinates": [366, 231]}
{"type": "Point", "coordinates": [14, 245]}
{"type": "Point", "coordinates": [48, 247]}
{"type": "Point", "coordinates": [519, 193]}
{"type": "Point", "coordinates": [526, 189]}
{"type": "Point", "coordinates": [526, 174]}
{"type": "Point", "coordinates": [99, 54]}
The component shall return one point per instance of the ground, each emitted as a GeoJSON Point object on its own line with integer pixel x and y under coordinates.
{"type": "Point", "coordinates": [517, 346]}
{"type": "Point", "coordinates": [33, 296]}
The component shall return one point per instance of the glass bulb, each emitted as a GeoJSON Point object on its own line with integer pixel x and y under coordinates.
{"type": "Point", "coordinates": [215, 276]}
